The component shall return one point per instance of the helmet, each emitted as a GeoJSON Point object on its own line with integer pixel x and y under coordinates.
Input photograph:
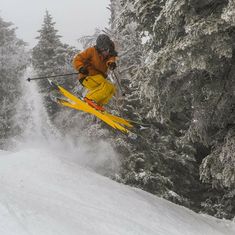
{"type": "Point", "coordinates": [103, 42]}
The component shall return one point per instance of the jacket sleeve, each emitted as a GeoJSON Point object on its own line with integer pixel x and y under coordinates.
{"type": "Point", "coordinates": [82, 59]}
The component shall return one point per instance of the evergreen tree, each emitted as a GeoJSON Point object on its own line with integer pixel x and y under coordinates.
{"type": "Point", "coordinates": [13, 60]}
{"type": "Point", "coordinates": [183, 84]}
{"type": "Point", "coordinates": [50, 57]}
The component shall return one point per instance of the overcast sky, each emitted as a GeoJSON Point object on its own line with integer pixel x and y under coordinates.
{"type": "Point", "coordinates": [74, 18]}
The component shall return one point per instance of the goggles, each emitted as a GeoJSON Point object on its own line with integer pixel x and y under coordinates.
{"type": "Point", "coordinates": [104, 49]}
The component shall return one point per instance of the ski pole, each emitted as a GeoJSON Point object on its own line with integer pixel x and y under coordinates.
{"type": "Point", "coordinates": [52, 76]}
{"type": "Point", "coordinates": [119, 84]}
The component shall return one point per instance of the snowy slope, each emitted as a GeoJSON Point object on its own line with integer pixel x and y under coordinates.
{"type": "Point", "coordinates": [42, 194]}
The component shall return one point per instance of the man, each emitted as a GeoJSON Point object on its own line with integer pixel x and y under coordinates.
{"type": "Point", "coordinates": [92, 65]}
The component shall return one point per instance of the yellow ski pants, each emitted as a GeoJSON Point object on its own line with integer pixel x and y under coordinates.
{"type": "Point", "coordinates": [99, 89]}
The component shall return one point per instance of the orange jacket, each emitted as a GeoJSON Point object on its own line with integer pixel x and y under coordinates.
{"type": "Point", "coordinates": [93, 61]}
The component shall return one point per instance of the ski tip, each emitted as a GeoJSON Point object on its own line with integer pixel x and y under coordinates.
{"type": "Point", "coordinates": [28, 79]}
{"type": "Point", "coordinates": [53, 84]}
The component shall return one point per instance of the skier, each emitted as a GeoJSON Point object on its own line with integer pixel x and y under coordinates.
{"type": "Point", "coordinates": [92, 65]}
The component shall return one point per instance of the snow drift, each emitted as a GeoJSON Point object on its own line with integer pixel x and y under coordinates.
{"type": "Point", "coordinates": [43, 194]}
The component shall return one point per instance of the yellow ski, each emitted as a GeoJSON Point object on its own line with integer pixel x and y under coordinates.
{"type": "Point", "coordinates": [119, 120]}
{"type": "Point", "coordinates": [76, 103]}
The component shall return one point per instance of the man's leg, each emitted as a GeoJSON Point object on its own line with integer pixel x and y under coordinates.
{"type": "Point", "coordinates": [99, 89]}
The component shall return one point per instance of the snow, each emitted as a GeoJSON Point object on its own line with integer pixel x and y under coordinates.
{"type": "Point", "coordinates": [44, 192]}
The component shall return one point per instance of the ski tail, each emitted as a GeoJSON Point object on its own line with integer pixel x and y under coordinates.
{"type": "Point", "coordinates": [119, 120]}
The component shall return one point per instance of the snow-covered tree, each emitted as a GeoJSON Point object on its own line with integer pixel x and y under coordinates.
{"type": "Point", "coordinates": [13, 62]}
{"type": "Point", "coordinates": [51, 57]}
{"type": "Point", "coordinates": [183, 84]}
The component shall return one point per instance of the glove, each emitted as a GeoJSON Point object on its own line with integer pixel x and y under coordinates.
{"type": "Point", "coordinates": [83, 70]}
{"type": "Point", "coordinates": [112, 65]}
